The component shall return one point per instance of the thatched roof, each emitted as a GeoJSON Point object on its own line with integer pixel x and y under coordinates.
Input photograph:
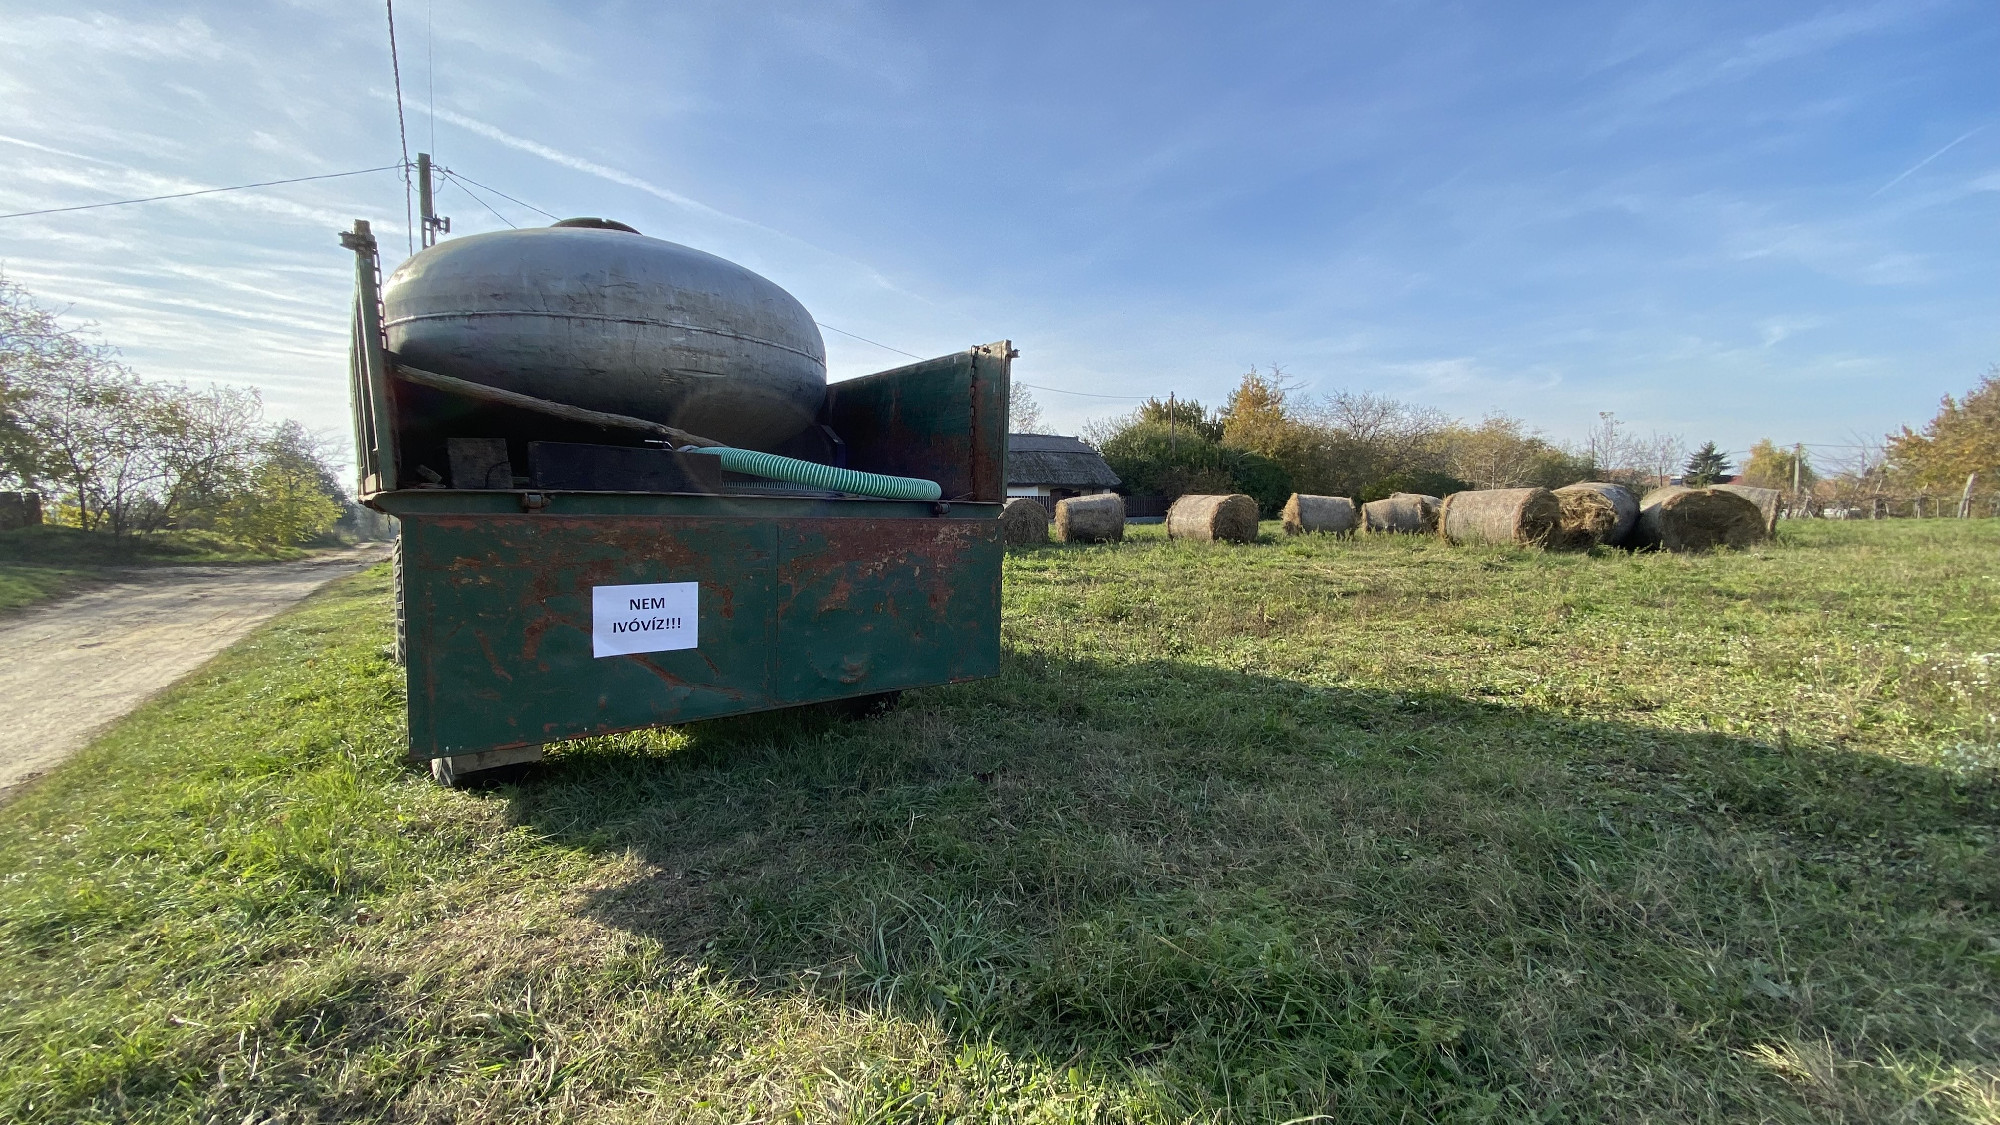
{"type": "Point", "coordinates": [1060, 462]}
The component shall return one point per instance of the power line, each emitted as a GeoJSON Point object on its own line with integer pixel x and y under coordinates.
{"type": "Point", "coordinates": [863, 339]}
{"type": "Point", "coordinates": [396, 69]}
{"type": "Point", "coordinates": [203, 191]}
{"type": "Point", "coordinates": [913, 355]}
{"type": "Point", "coordinates": [481, 202]}
{"type": "Point", "coordinates": [1083, 394]}
{"type": "Point", "coordinates": [464, 179]}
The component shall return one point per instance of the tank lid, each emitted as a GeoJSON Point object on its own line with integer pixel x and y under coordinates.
{"type": "Point", "coordinates": [596, 224]}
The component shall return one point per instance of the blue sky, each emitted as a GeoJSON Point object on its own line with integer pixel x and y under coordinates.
{"type": "Point", "coordinates": [1727, 220]}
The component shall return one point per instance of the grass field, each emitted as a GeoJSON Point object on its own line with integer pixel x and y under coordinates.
{"type": "Point", "coordinates": [1380, 830]}
{"type": "Point", "coordinates": [39, 563]}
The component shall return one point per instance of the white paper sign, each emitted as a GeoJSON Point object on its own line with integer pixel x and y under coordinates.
{"type": "Point", "coordinates": [656, 617]}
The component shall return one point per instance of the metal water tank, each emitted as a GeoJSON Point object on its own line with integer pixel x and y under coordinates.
{"type": "Point", "coordinates": [594, 314]}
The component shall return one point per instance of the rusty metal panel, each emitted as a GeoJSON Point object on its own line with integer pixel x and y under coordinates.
{"type": "Point", "coordinates": [876, 605]}
{"type": "Point", "coordinates": [943, 419]}
{"type": "Point", "coordinates": [794, 607]}
{"type": "Point", "coordinates": [500, 626]}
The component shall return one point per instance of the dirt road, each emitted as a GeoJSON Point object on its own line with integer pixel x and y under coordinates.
{"type": "Point", "coordinates": [70, 668]}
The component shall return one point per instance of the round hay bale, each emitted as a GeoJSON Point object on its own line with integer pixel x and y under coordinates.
{"type": "Point", "coordinates": [1595, 512]}
{"type": "Point", "coordinates": [1091, 519]}
{"type": "Point", "coordinates": [1403, 513]}
{"type": "Point", "coordinates": [1228, 519]}
{"type": "Point", "coordinates": [1024, 521]}
{"type": "Point", "coordinates": [1697, 519]}
{"type": "Point", "coordinates": [1521, 517]}
{"type": "Point", "coordinates": [1326, 515]}
{"type": "Point", "coordinates": [1429, 506]}
{"type": "Point", "coordinates": [1766, 500]}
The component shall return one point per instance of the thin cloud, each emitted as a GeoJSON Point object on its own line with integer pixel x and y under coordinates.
{"type": "Point", "coordinates": [627, 179]}
{"type": "Point", "coordinates": [601, 171]}
{"type": "Point", "coordinates": [1918, 166]}
{"type": "Point", "coordinates": [185, 37]}
{"type": "Point", "coordinates": [1804, 38]}
{"type": "Point", "coordinates": [57, 151]}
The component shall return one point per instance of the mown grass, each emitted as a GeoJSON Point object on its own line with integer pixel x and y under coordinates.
{"type": "Point", "coordinates": [44, 562]}
{"type": "Point", "coordinates": [1380, 830]}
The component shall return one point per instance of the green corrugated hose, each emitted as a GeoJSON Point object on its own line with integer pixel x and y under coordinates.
{"type": "Point", "coordinates": [773, 467]}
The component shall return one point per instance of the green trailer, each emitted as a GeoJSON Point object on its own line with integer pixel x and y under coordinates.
{"type": "Point", "coordinates": [530, 614]}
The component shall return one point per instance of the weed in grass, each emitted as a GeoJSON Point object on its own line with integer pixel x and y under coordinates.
{"type": "Point", "coordinates": [1374, 829]}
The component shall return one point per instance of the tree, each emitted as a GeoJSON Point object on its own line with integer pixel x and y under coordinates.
{"type": "Point", "coordinates": [1500, 453]}
{"type": "Point", "coordinates": [1153, 459]}
{"type": "Point", "coordinates": [208, 442]}
{"type": "Point", "coordinates": [1772, 467]}
{"type": "Point", "coordinates": [1182, 415]}
{"type": "Point", "coordinates": [1024, 414]}
{"type": "Point", "coordinates": [1964, 438]}
{"type": "Point", "coordinates": [71, 416]}
{"type": "Point", "coordinates": [286, 499]}
{"type": "Point", "coordinates": [1374, 445]}
{"type": "Point", "coordinates": [1176, 447]}
{"type": "Point", "coordinates": [1639, 463]}
{"type": "Point", "coordinates": [1255, 417]}
{"type": "Point", "coordinates": [119, 453]}
{"type": "Point", "coordinates": [1262, 420]}
{"type": "Point", "coordinates": [85, 435]}
{"type": "Point", "coordinates": [1659, 455]}
{"type": "Point", "coordinates": [1609, 448]}
{"type": "Point", "coordinates": [1706, 466]}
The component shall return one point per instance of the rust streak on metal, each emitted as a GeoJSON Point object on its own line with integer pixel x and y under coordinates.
{"type": "Point", "coordinates": [492, 658]}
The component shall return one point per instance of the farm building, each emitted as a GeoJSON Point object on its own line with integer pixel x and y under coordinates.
{"type": "Point", "coordinates": [1052, 468]}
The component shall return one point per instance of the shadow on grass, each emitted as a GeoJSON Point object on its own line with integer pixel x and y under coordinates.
{"type": "Point", "coordinates": [1237, 890]}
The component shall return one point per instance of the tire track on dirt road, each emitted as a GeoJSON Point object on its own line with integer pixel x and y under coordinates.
{"type": "Point", "coordinates": [70, 668]}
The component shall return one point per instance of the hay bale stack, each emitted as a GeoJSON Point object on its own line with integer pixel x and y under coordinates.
{"type": "Point", "coordinates": [1595, 512]}
{"type": "Point", "coordinates": [1766, 500]}
{"type": "Point", "coordinates": [1520, 517]}
{"type": "Point", "coordinates": [1403, 513]}
{"type": "Point", "coordinates": [1326, 515]}
{"type": "Point", "coordinates": [1212, 519]}
{"type": "Point", "coordinates": [1697, 519]}
{"type": "Point", "coordinates": [1091, 519]}
{"type": "Point", "coordinates": [1024, 521]}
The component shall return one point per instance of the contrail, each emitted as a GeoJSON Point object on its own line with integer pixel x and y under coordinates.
{"type": "Point", "coordinates": [1913, 169]}
{"type": "Point", "coordinates": [591, 167]}
{"type": "Point", "coordinates": [58, 151]}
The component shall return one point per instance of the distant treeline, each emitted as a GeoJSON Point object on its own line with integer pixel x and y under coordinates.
{"type": "Point", "coordinates": [109, 450]}
{"type": "Point", "coordinates": [1268, 441]}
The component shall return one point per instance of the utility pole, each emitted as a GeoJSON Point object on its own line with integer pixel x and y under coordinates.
{"type": "Point", "coordinates": [1173, 426]}
{"type": "Point", "coordinates": [431, 223]}
{"type": "Point", "coordinates": [1799, 465]}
